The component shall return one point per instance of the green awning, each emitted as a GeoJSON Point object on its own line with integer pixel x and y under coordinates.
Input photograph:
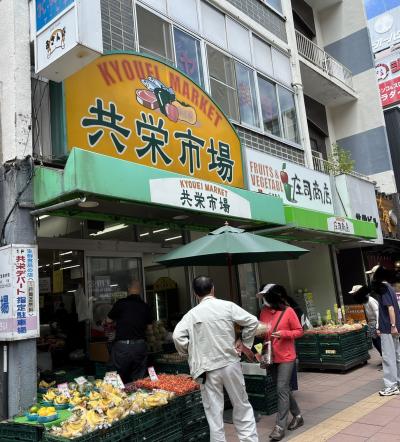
{"type": "Point", "coordinates": [312, 226]}
{"type": "Point", "coordinates": [130, 192]}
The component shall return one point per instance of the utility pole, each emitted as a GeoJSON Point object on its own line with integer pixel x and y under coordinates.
{"type": "Point", "coordinates": [18, 358]}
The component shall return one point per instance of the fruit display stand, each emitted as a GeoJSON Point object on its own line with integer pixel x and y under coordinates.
{"type": "Point", "coordinates": [333, 348]}
{"type": "Point", "coordinates": [169, 410]}
{"type": "Point", "coordinates": [260, 388]}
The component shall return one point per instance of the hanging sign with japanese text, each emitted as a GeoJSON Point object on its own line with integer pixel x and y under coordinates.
{"type": "Point", "coordinates": [295, 185]}
{"type": "Point", "coordinates": [337, 224]}
{"type": "Point", "coordinates": [199, 195]}
{"type": "Point", "coordinates": [387, 68]}
{"type": "Point", "coordinates": [19, 302]}
{"type": "Point", "coordinates": [138, 109]}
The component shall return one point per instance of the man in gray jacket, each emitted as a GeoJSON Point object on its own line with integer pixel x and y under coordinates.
{"type": "Point", "coordinates": [206, 334]}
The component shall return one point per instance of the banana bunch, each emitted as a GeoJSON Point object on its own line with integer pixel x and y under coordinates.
{"type": "Point", "coordinates": [95, 419]}
{"type": "Point", "coordinates": [44, 384]}
{"type": "Point", "coordinates": [77, 399]}
{"type": "Point", "coordinates": [115, 413]}
{"type": "Point", "coordinates": [94, 396]}
{"type": "Point", "coordinates": [49, 396]}
{"type": "Point", "coordinates": [74, 428]}
{"type": "Point", "coordinates": [61, 399]}
{"type": "Point", "coordinates": [104, 404]}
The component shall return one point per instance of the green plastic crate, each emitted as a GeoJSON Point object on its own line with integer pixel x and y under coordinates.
{"type": "Point", "coordinates": [20, 432]}
{"type": "Point", "coordinates": [200, 436]}
{"type": "Point", "coordinates": [266, 404]}
{"type": "Point", "coordinates": [170, 368]}
{"type": "Point", "coordinates": [169, 433]}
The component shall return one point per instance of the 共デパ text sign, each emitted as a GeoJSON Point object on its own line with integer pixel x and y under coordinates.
{"type": "Point", "coordinates": [137, 109]}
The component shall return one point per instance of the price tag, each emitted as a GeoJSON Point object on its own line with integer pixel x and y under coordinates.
{"type": "Point", "coordinates": [80, 380]}
{"type": "Point", "coordinates": [152, 374]}
{"type": "Point", "coordinates": [63, 389]}
{"type": "Point", "coordinates": [113, 378]}
{"type": "Point", "coordinates": [330, 352]}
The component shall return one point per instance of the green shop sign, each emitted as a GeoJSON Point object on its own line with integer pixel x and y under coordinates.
{"type": "Point", "coordinates": [105, 177]}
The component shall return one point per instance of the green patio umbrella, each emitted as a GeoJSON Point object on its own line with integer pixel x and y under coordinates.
{"type": "Point", "coordinates": [228, 246]}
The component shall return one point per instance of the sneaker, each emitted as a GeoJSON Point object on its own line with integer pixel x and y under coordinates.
{"type": "Point", "coordinates": [390, 391]}
{"type": "Point", "coordinates": [297, 422]}
{"type": "Point", "coordinates": [278, 433]}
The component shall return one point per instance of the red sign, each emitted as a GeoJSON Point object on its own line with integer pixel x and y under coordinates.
{"type": "Point", "coordinates": [390, 91]}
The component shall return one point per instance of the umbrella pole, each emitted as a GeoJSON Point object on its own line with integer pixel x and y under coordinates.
{"type": "Point", "coordinates": [230, 276]}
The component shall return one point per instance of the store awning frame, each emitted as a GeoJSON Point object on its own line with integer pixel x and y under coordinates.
{"type": "Point", "coordinates": [123, 192]}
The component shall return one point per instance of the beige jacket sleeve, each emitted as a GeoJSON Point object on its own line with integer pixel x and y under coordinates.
{"type": "Point", "coordinates": [181, 337]}
{"type": "Point", "coordinates": [247, 321]}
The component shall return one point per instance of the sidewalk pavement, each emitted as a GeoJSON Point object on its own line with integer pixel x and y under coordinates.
{"type": "Point", "coordinates": [340, 408]}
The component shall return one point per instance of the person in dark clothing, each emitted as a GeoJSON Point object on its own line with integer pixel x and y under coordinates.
{"type": "Point", "coordinates": [388, 327]}
{"type": "Point", "coordinates": [132, 317]}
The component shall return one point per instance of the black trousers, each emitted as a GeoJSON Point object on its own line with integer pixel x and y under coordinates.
{"type": "Point", "coordinates": [130, 360]}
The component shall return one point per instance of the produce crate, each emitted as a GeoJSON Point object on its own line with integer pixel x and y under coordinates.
{"type": "Point", "coordinates": [336, 351]}
{"type": "Point", "coordinates": [258, 384]}
{"type": "Point", "coordinates": [160, 417]}
{"type": "Point", "coordinates": [170, 433]}
{"type": "Point", "coordinates": [11, 431]}
{"type": "Point", "coordinates": [201, 436]}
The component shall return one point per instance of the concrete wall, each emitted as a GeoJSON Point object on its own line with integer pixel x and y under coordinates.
{"type": "Point", "coordinates": [358, 126]}
{"type": "Point", "coordinates": [15, 80]}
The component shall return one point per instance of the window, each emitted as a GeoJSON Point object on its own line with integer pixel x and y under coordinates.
{"type": "Point", "coordinates": [288, 112]}
{"type": "Point", "coordinates": [154, 35]}
{"type": "Point", "coordinates": [275, 4]}
{"type": "Point", "coordinates": [184, 11]}
{"type": "Point", "coordinates": [213, 24]}
{"type": "Point", "coordinates": [188, 56]}
{"type": "Point", "coordinates": [262, 56]}
{"type": "Point", "coordinates": [238, 39]}
{"type": "Point", "coordinates": [222, 82]}
{"type": "Point", "coordinates": [269, 107]}
{"type": "Point", "coordinates": [246, 95]}
{"type": "Point", "coordinates": [281, 65]}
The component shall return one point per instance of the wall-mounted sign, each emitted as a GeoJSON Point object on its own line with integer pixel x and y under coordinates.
{"type": "Point", "coordinates": [48, 10]}
{"type": "Point", "coordinates": [64, 42]}
{"type": "Point", "coordinates": [357, 197]}
{"type": "Point", "coordinates": [388, 74]}
{"type": "Point", "coordinates": [199, 195]}
{"type": "Point", "coordinates": [338, 224]}
{"type": "Point", "coordinates": [138, 109]}
{"type": "Point", "coordinates": [19, 293]}
{"type": "Point", "coordinates": [384, 30]}
{"type": "Point", "coordinates": [56, 40]}
{"type": "Point", "coordinates": [295, 185]}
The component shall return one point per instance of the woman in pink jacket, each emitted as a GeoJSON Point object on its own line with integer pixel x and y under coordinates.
{"type": "Point", "coordinates": [283, 327]}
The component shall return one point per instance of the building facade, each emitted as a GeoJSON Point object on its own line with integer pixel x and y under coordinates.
{"type": "Point", "coordinates": [137, 126]}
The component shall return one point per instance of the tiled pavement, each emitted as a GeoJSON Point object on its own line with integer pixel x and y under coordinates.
{"type": "Point", "coordinates": [340, 408]}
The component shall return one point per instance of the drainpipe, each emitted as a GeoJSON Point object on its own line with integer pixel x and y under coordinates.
{"type": "Point", "coordinates": [58, 206]}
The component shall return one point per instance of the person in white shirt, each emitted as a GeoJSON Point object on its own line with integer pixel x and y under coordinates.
{"type": "Point", "coordinates": [206, 334]}
{"type": "Point", "coordinates": [371, 308]}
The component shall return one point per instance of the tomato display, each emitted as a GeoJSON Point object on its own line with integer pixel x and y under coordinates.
{"type": "Point", "coordinates": [178, 384]}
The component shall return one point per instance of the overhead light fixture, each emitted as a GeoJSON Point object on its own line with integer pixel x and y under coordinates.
{"type": "Point", "coordinates": [144, 234]}
{"type": "Point", "coordinates": [70, 267]}
{"type": "Point", "coordinates": [44, 217]}
{"type": "Point", "coordinates": [173, 237]}
{"type": "Point", "coordinates": [161, 230]}
{"type": "Point", "coordinates": [66, 253]}
{"type": "Point", "coordinates": [113, 285]}
{"type": "Point", "coordinates": [88, 204]}
{"type": "Point", "coordinates": [180, 217]}
{"type": "Point", "coordinates": [110, 229]}
{"type": "Point", "coordinates": [40, 267]}
{"type": "Point", "coordinates": [71, 291]}
{"type": "Point", "coordinates": [47, 265]}
{"type": "Point", "coordinates": [56, 263]}
{"type": "Point", "coordinates": [67, 261]}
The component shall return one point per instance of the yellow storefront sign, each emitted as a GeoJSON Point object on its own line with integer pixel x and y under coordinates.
{"type": "Point", "coordinates": [137, 109]}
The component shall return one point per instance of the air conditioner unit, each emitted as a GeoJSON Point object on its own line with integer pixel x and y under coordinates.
{"type": "Point", "coordinates": [68, 36]}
